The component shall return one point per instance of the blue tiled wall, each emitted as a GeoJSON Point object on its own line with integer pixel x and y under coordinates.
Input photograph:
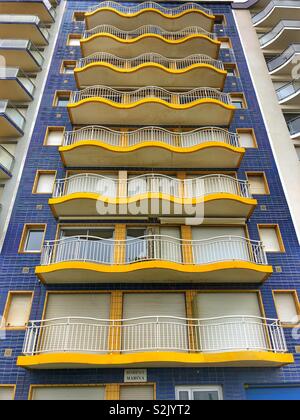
{"type": "Point", "coordinates": [26, 211]}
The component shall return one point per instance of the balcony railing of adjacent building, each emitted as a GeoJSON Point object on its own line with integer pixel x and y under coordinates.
{"type": "Point", "coordinates": [14, 115]}
{"type": "Point", "coordinates": [153, 184]}
{"type": "Point", "coordinates": [16, 73]}
{"type": "Point", "coordinates": [283, 58]}
{"type": "Point", "coordinates": [274, 3]}
{"type": "Point", "coordinates": [153, 248]}
{"type": "Point", "coordinates": [151, 134]}
{"type": "Point", "coordinates": [168, 63]}
{"type": "Point", "coordinates": [283, 24]}
{"type": "Point", "coordinates": [288, 90]}
{"type": "Point", "coordinates": [7, 160]}
{"type": "Point", "coordinates": [154, 334]}
{"type": "Point", "coordinates": [149, 92]}
{"type": "Point", "coordinates": [170, 11]}
{"type": "Point", "coordinates": [26, 19]}
{"type": "Point", "coordinates": [148, 30]}
{"type": "Point", "coordinates": [19, 44]}
{"type": "Point", "coordinates": [294, 126]}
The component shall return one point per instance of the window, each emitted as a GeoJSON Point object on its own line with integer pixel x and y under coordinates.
{"type": "Point", "coordinates": [238, 100]}
{"type": "Point", "coordinates": [219, 20]}
{"type": "Point", "coordinates": [54, 136]}
{"type": "Point", "coordinates": [7, 392]}
{"type": "Point", "coordinates": [32, 238]}
{"type": "Point", "coordinates": [258, 183]}
{"type": "Point", "coordinates": [57, 392]}
{"type": "Point", "coordinates": [225, 43]}
{"type": "Point", "coordinates": [134, 392]}
{"type": "Point", "coordinates": [247, 137]}
{"type": "Point", "coordinates": [298, 152]}
{"type": "Point", "coordinates": [61, 98]}
{"type": "Point", "coordinates": [78, 16]}
{"type": "Point", "coordinates": [68, 67]}
{"type": "Point", "coordinates": [201, 393]}
{"type": "Point", "coordinates": [73, 40]}
{"type": "Point", "coordinates": [17, 309]}
{"type": "Point", "coordinates": [231, 70]}
{"type": "Point", "coordinates": [44, 182]}
{"type": "Point", "coordinates": [287, 306]}
{"type": "Point", "coordinates": [271, 238]}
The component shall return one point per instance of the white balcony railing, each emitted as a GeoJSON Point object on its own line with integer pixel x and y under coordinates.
{"type": "Point", "coordinates": [171, 11]}
{"type": "Point", "coordinates": [277, 30]}
{"type": "Point", "coordinates": [271, 6]}
{"type": "Point", "coordinates": [154, 334]}
{"type": "Point", "coordinates": [185, 139]}
{"type": "Point", "coordinates": [152, 248]}
{"type": "Point", "coordinates": [151, 183]}
{"type": "Point", "coordinates": [149, 92]}
{"type": "Point", "coordinates": [147, 30]}
{"type": "Point", "coordinates": [168, 63]}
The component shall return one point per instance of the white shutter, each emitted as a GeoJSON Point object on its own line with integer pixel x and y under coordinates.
{"type": "Point", "coordinates": [219, 249]}
{"type": "Point", "coordinates": [45, 183]}
{"type": "Point", "coordinates": [171, 336]}
{"type": "Point", "coordinates": [68, 393]}
{"type": "Point", "coordinates": [80, 334]}
{"type": "Point", "coordinates": [19, 309]}
{"type": "Point", "coordinates": [6, 393]}
{"type": "Point", "coordinates": [54, 137]}
{"type": "Point", "coordinates": [257, 184]}
{"type": "Point", "coordinates": [242, 332]}
{"type": "Point", "coordinates": [91, 305]}
{"type": "Point", "coordinates": [269, 238]}
{"type": "Point", "coordinates": [286, 308]}
{"type": "Point", "coordinates": [136, 392]}
{"type": "Point", "coordinates": [207, 232]}
{"type": "Point", "coordinates": [222, 304]}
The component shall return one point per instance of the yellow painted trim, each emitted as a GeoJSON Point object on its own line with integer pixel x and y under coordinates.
{"type": "Point", "coordinates": [152, 196]}
{"type": "Point", "coordinates": [145, 65]}
{"type": "Point", "coordinates": [149, 9]}
{"type": "Point", "coordinates": [122, 149]}
{"type": "Point", "coordinates": [149, 35]}
{"type": "Point", "coordinates": [146, 265]}
{"type": "Point", "coordinates": [171, 358]}
{"type": "Point", "coordinates": [151, 100]}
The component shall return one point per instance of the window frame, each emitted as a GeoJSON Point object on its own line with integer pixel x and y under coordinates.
{"type": "Point", "coordinates": [73, 36]}
{"type": "Point", "coordinates": [26, 229]}
{"type": "Point", "coordinates": [38, 173]}
{"type": "Point", "coordinates": [9, 298]}
{"type": "Point", "coordinates": [191, 388]}
{"type": "Point", "coordinates": [264, 178]}
{"type": "Point", "coordinates": [294, 293]}
{"type": "Point", "coordinates": [13, 386]}
{"type": "Point", "coordinates": [278, 234]}
{"type": "Point", "coordinates": [64, 63]}
{"type": "Point", "coordinates": [59, 94]}
{"type": "Point", "coordinates": [248, 131]}
{"type": "Point", "coordinates": [53, 128]}
{"type": "Point", "coordinates": [240, 97]}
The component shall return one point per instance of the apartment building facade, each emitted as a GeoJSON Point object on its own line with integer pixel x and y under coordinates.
{"type": "Point", "coordinates": [151, 252]}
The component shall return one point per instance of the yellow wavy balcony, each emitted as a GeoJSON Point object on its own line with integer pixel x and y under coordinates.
{"type": "Point", "coordinates": [207, 147]}
{"type": "Point", "coordinates": [150, 69]}
{"type": "Point", "coordinates": [128, 18]}
{"type": "Point", "coordinates": [166, 342]}
{"type": "Point", "coordinates": [95, 260]}
{"type": "Point", "coordinates": [200, 106]}
{"type": "Point", "coordinates": [88, 195]}
{"type": "Point", "coordinates": [126, 44]}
